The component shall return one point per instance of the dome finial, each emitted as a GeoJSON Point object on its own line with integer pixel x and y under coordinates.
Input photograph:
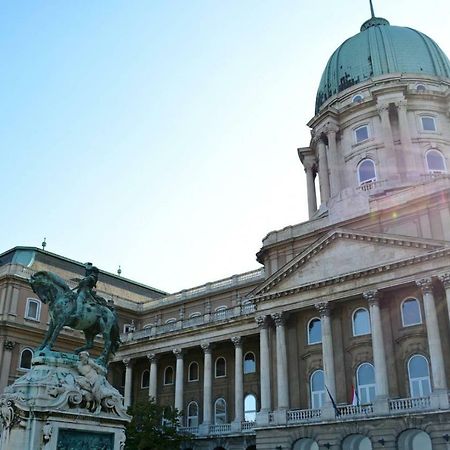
{"type": "Point", "coordinates": [371, 9]}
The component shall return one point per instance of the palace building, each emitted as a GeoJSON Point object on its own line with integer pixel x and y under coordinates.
{"type": "Point", "coordinates": [340, 339]}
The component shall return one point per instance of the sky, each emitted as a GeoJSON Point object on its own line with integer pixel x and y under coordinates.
{"type": "Point", "coordinates": [161, 135]}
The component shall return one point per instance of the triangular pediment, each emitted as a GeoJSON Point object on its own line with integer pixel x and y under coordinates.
{"type": "Point", "coordinates": [342, 252]}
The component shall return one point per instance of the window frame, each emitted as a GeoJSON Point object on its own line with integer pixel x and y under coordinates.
{"type": "Point", "coordinates": [215, 367]}
{"type": "Point", "coordinates": [357, 98]}
{"type": "Point", "coordinates": [308, 334]}
{"type": "Point", "coordinates": [221, 414]}
{"type": "Point", "coordinates": [361, 308]}
{"type": "Point", "coordinates": [25, 349]}
{"type": "Point", "coordinates": [38, 309]}
{"type": "Point", "coordinates": [191, 364]}
{"type": "Point", "coordinates": [254, 363]}
{"type": "Point", "coordinates": [428, 116]}
{"type": "Point", "coordinates": [435, 150]}
{"type": "Point", "coordinates": [320, 395]}
{"type": "Point", "coordinates": [165, 376]}
{"type": "Point", "coordinates": [355, 133]}
{"type": "Point", "coordinates": [142, 379]}
{"type": "Point", "coordinates": [250, 411]}
{"type": "Point", "coordinates": [420, 312]}
{"type": "Point", "coordinates": [370, 180]}
{"type": "Point", "coordinates": [190, 417]}
{"type": "Point", "coordinates": [366, 387]}
{"type": "Point", "coordinates": [418, 379]}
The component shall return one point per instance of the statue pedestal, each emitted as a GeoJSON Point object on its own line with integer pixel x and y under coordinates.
{"type": "Point", "coordinates": [64, 402]}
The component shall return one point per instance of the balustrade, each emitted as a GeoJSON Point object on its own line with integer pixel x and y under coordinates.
{"type": "Point", "coordinates": [302, 415]}
{"type": "Point", "coordinates": [407, 404]}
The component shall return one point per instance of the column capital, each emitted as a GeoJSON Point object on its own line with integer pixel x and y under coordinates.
{"type": "Point", "coordinates": [9, 345]}
{"type": "Point", "coordinates": [372, 297]}
{"type": "Point", "coordinates": [261, 321]}
{"type": "Point", "coordinates": [324, 308]}
{"type": "Point", "coordinates": [279, 318]}
{"type": "Point", "coordinates": [445, 279]}
{"type": "Point", "coordinates": [178, 352]}
{"type": "Point", "coordinates": [152, 357]}
{"type": "Point", "coordinates": [128, 362]}
{"type": "Point", "coordinates": [426, 285]}
{"type": "Point", "coordinates": [237, 341]}
{"type": "Point", "coordinates": [330, 128]}
{"type": "Point", "coordinates": [401, 104]}
{"type": "Point", "coordinates": [382, 108]}
{"type": "Point", "coordinates": [206, 347]}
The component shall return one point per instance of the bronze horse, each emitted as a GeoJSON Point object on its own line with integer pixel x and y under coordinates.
{"type": "Point", "coordinates": [94, 318]}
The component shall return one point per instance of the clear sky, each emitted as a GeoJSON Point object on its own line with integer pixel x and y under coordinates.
{"type": "Point", "coordinates": [161, 135]}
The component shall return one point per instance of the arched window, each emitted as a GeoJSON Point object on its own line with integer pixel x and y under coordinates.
{"type": "Point", "coordinates": [366, 172]}
{"type": "Point", "coordinates": [317, 387]}
{"type": "Point", "coordinates": [250, 408]}
{"type": "Point", "coordinates": [314, 331]}
{"type": "Point", "coordinates": [221, 367]}
{"type": "Point", "coordinates": [414, 439]}
{"type": "Point", "coordinates": [168, 375]}
{"type": "Point", "coordinates": [193, 371]}
{"type": "Point", "coordinates": [33, 309]}
{"type": "Point", "coordinates": [420, 88]}
{"type": "Point", "coordinates": [192, 415]}
{"type": "Point", "coordinates": [358, 98]}
{"type": "Point", "coordinates": [145, 379]}
{"type": "Point", "coordinates": [249, 363]}
{"type": "Point", "coordinates": [25, 359]}
{"type": "Point", "coordinates": [365, 378]}
{"type": "Point", "coordinates": [419, 376]}
{"type": "Point", "coordinates": [361, 322]}
{"type": "Point", "coordinates": [411, 312]}
{"type": "Point", "coordinates": [220, 411]}
{"type": "Point", "coordinates": [435, 161]}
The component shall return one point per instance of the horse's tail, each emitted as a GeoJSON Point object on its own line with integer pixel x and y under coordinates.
{"type": "Point", "coordinates": [115, 337]}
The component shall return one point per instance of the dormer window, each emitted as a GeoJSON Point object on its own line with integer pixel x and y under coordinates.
{"type": "Point", "coordinates": [358, 98]}
{"type": "Point", "coordinates": [361, 133]}
{"type": "Point", "coordinates": [428, 123]}
{"type": "Point", "coordinates": [435, 161]}
{"type": "Point", "coordinates": [420, 88]}
{"type": "Point", "coordinates": [366, 172]}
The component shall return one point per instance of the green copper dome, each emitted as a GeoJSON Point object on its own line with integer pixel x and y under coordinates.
{"type": "Point", "coordinates": [377, 50]}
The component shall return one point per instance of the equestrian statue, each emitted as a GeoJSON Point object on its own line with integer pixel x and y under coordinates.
{"type": "Point", "coordinates": [80, 309]}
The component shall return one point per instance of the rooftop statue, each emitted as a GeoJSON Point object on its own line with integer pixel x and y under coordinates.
{"type": "Point", "coordinates": [80, 309]}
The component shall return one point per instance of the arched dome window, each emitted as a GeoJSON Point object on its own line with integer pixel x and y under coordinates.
{"type": "Point", "coordinates": [145, 379]}
{"type": "Point", "coordinates": [419, 376]}
{"type": "Point", "coordinates": [361, 322]}
{"type": "Point", "coordinates": [435, 161]}
{"type": "Point", "coordinates": [411, 312]}
{"type": "Point", "coordinates": [193, 371]}
{"type": "Point", "coordinates": [420, 88]}
{"type": "Point", "coordinates": [249, 363]}
{"type": "Point", "coordinates": [358, 98]}
{"type": "Point", "coordinates": [192, 415]}
{"type": "Point", "coordinates": [168, 375]}
{"type": "Point", "coordinates": [220, 411]}
{"type": "Point", "coordinates": [250, 408]}
{"type": "Point", "coordinates": [314, 331]}
{"type": "Point", "coordinates": [25, 359]}
{"type": "Point", "coordinates": [365, 377]}
{"type": "Point", "coordinates": [317, 387]}
{"type": "Point", "coordinates": [221, 367]}
{"type": "Point", "coordinates": [366, 172]}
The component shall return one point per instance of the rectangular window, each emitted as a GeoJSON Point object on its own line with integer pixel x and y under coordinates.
{"type": "Point", "coordinates": [428, 123]}
{"type": "Point", "coordinates": [33, 309]}
{"type": "Point", "coordinates": [362, 134]}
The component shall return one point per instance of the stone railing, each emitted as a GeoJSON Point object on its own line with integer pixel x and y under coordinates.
{"type": "Point", "coordinates": [303, 415]}
{"type": "Point", "coordinates": [409, 404]}
{"type": "Point", "coordinates": [354, 410]}
{"type": "Point", "coordinates": [247, 426]}
{"type": "Point", "coordinates": [224, 428]}
{"type": "Point", "coordinates": [188, 430]}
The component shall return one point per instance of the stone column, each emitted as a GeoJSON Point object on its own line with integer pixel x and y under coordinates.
{"type": "Point", "coordinates": [238, 380]}
{"type": "Point", "coordinates": [327, 349]}
{"type": "Point", "coordinates": [207, 384]}
{"type": "Point", "coordinates": [405, 137]}
{"type": "Point", "coordinates": [266, 404]}
{"type": "Point", "coordinates": [379, 354]}
{"type": "Point", "coordinates": [282, 365]}
{"type": "Point", "coordinates": [324, 179]}
{"type": "Point", "coordinates": [434, 339]}
{"type": "Point", "coordinates": [128, 381]}
{"type": "Point", "coordinates": [179, 379]}
{"type": "Point", "coordinates": [445, 280]}
{"type": "Point", "coordinates": [309, 164]}
{"type": "Point", "coordinates": [8, 347]}
{"type": "Point", "coordinates": [152, 386]}
{"type": "Point", "coordinates": [334, 160]}
{"type": "Point", "coordinates": [389, 155]}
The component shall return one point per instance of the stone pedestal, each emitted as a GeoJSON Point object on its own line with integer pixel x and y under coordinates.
{"type": "Point", "coordinates": [63, 402]}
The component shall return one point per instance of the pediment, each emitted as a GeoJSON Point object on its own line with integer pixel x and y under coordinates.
{"type": "Point", "coordinates": [342, 252]}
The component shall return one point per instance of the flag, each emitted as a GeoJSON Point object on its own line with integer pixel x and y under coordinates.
{"type": "Point", "coordinates": [333, 402]}
{"type": "Point", "coordinates": [355, 397]}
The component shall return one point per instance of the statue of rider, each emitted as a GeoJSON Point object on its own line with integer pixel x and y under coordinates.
{"type": "Point", "coordinates": [86, 290]}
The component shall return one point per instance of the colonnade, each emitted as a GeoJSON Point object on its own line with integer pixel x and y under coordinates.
{"type": "Point", "coordinates": [281, 357]}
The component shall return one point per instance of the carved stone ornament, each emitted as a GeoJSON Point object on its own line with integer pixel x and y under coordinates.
{"type": "Point", "coordinates": [206, 347]}
{"type": "Point", "coordinates": [445, 279]}
{"type": "Point", "coordinates": [47, 432]}
{"type": "Point", "coordinates": [324, 308]}
{"type": "Point", "coordinates": [8, 414]}
{"type": "Point", "coordinates": [178, 352]}
{"type": "Point", "coordinates": [279, 318]}
{"type": "Point", "coordinates": [9, 345]}
{"type": "Point", "coordinates": [127, 362]}
{"type": "Point", "coordinates": [371, 297]}
{"type": "Point", "coordinates": [237, 341]}
{"type": "Point", "coordinates": [425, 285]}
{"type": "Point", "coordinates": [261, 321]}
{"type": "Point", "coordinates": [151, 357]}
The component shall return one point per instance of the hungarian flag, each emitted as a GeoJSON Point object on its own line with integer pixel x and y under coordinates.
{"type": "Point", "coordinates": [355, 398]}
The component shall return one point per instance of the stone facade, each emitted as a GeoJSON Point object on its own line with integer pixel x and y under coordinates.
{"type": "Point", "coordinates": [340, 339]}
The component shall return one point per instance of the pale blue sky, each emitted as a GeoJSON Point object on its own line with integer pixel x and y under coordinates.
{"type": "Point", "coordinates": [162, 135]}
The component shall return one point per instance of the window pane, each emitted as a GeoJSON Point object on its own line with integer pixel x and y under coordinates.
{"type": "Point", "coordinates": [418, 367]}
{"type": "Point", "coordinates": [435, 161]}
{"type": "Point", "coordinates": [168, 375]}
{"type": "Point", "coordinates": [411, 312]}
{"type": "Point", "coordinates": [249, 363]}
{"type": "Point", "coordinates": [428, 124]}
{"type": "Point", "coordinates": [145, 379]}
{"type": "Point", "coordinates": [193, 372]}
{"type": "Point", "coordinates": [25, 359]}
{"type": "Point", "coordinates": [317, 381]}
{"type": "Point", "coordinates": [362, 133]}
{"type": "Point", "coordinates": [366, 171]}
{"type": "Point", "coordinates": [314, 331]}
{"type": "Point", "coordinates": [366, 374]}
{"type": "Point", "coordinates": [317, 389]}
{"type": "Point", "coordinates": [361, 322]}
{"type": "Point", "coordinates": [220, 367]}
{"type": "Point", "coordinates": [250, 408]}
